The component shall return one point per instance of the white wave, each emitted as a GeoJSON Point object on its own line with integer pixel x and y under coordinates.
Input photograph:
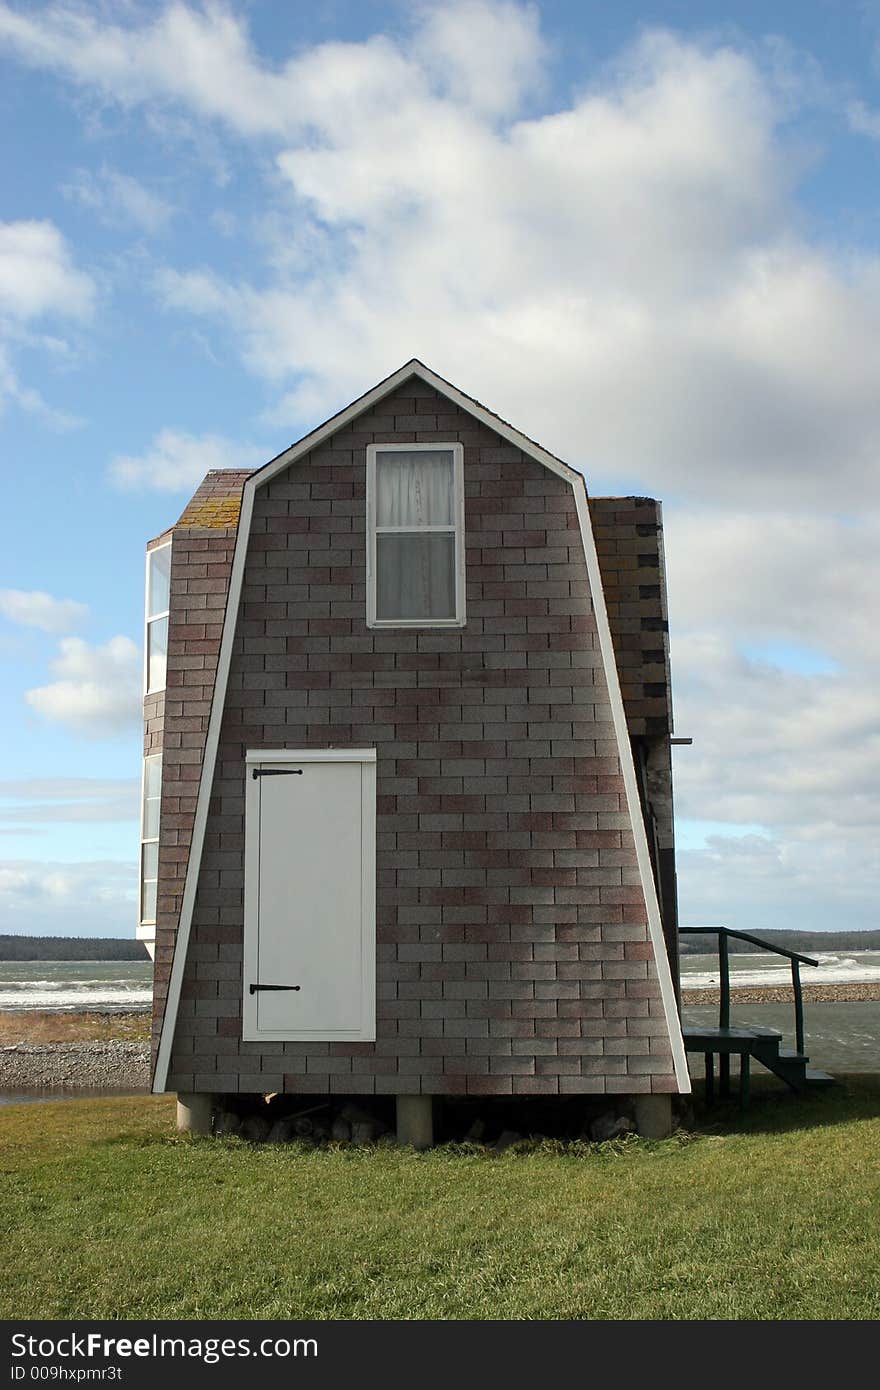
{"type": "Point", "coordinates": [75, 998]}
{"type": "Point", "coordinates": [841, 973]}
{"type": "Point", "coordinates": [85, 986]}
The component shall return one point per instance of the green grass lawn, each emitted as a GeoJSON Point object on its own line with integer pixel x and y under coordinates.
{"type": "Point", "coordinates": [107, 1213]}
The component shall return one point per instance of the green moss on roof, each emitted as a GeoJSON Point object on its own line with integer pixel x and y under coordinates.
{"type": "Point", "coordinates": [216, 504]}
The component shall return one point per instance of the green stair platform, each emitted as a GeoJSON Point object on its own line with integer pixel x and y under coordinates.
{"type": "Point", "coordinates": [750, 1040]}
{"type": "Point", "coordinates": [764, 1044]}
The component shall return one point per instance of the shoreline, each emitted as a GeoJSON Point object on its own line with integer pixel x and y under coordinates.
{"type": "Point", "coordinates": [88, 1066]}
{"type": "Point", "coordinates": [18, 1026]}
{"type": "Point", "coordinates": [84, 1050]}
{"type": "Point", "coordinates": [852, 993]}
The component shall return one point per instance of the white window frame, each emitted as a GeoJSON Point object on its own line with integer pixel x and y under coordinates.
{"type": "Point", "coordinates": [149, 619]}
{"type": "Point", "coordinates": [457, 529]}
{"type": "Point", "coordinates": [147, 925]}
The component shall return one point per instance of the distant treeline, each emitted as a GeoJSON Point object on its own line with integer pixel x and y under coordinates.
{"type": "Point", "coordinates": [804, 941]}
{"type": "Point", "coordinates": [71, 948]}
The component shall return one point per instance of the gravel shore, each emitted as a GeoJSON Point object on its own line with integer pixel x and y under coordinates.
{"type": "Point", "coordinates": [80, 1065]}
{"type": "Point", "coordinates": [782, 994]}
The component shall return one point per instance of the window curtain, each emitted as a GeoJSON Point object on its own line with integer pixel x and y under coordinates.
{"type": "Point", "coordinates": [415, 489]}
{"type": "Point", "coordinates": [415, 570]}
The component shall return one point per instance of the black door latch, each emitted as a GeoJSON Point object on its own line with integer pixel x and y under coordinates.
{"type": "Point", "coordinates": [254, 988]}
{"type": "Point", "coordinates": [276, 772]}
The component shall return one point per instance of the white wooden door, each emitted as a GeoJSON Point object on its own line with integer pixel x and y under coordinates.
{"type": "Point", "coordinates": [310, 863]}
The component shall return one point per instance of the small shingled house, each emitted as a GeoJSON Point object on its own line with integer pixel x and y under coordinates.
{"type": "Point", "coordinates": [407, 796]}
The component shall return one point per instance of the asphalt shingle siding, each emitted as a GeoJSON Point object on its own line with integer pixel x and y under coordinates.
{"type": "Point", "coordinates": [629, 543]}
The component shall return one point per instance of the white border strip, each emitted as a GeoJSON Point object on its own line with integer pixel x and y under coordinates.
{"type": "Point", "coordinates": [627, 767]}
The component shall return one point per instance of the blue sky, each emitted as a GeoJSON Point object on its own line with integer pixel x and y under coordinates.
{"type": "Point", "coordinates": [646, 234]}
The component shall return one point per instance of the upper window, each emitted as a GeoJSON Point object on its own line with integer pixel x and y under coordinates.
{"type": "Point", "coordinates": [415, 535]}
{"type": "Point", "coordinates": [158, 590]}
{"type": "Point", "coordinates": [152, 790]}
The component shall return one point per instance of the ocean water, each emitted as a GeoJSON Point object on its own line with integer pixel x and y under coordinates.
{"type": "Point", "coordinates": [42, 1094]}
{"type": "Point", "coordinates": [64, 985]}
{"type": "Point", "coordinates": [837, 1037]}
{"type": "Point", "coordinates": [763, 969]}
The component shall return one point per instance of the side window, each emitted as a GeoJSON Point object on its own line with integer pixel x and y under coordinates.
{"type": "Point", "coordinates": [158, 591]}
{"type": "Point", "coordinates": [415, 535]}
{"type": "Point", "coordinates": [150, 837]}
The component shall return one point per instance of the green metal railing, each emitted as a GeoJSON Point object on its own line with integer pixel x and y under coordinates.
{"type": "Point", "coordinates": [724, 934]}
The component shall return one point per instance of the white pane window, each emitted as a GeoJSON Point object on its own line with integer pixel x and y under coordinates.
{"type": "Point", "coordinates": [158, 598]}
{"type": "Point", "coordinates": [150, 836]}
{"type": "Point", "coordinates": [415, 575]}
{"type": "Point", "coordinates": [157, 653]}
{"type": "Point", "coordinates": [152, 790]}
{"type": "Point", "coordinates": [159, 581]}
{"type": "Point", "coordinates": [148, 901]}
{"type": "Point", "coordinates": [415, 535]}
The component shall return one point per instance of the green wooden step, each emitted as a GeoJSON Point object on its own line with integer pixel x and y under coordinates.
{"type": "Point", "coordinates": [731, 1039]}
{"type": "Point", "coordinates": [737, 1034]}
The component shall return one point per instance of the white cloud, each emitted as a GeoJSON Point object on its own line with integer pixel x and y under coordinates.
{"type": "Point", "coordinates": [795, 752]}
{"type": "Point", "coordinates": [37, 280]}
{"type": "Point", "coordinates": [807, 579]}
{"type": "Point", "coordinates": [98, 690]}
{"type": "Point", "coordinates": [640, 244]}
{"type": "Point", "coordinates": [27, 398]}
{"type": "Point", "coordinates": [119, 200]}
{"type": "Point", "coordinates": [64, 899]}
{"type": "Point", "coordinates": [41, 800]}
{"type": "Point", "coordinates": [484, 56]}
{"type": "Point", "coordinates": [757, 882]}
{"type": "Point", "coordinates": [176, 461]}
{"type": "Point", "coordinates": [201, 58]}
{"type": "Point", "coordinates": [37, 275]}
{"type": "Point", "coordinates": [771, 746]}
{"type": "Point", "coordinates": [863, 120]}
{"type": "Point", "coordinates": [32, 608]}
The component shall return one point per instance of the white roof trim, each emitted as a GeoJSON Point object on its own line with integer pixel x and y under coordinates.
{"type": "Point", "coordinates": [212, 740]}
{"type": "Point", "coordinates": [385, 388]}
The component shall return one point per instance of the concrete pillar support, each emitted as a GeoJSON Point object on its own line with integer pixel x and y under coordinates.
{"type": "Point", "coordinates": [654, 1116]}
{"type": "Point", "coordinates": [415, 1121]}
{"type": "Point", "coordinates": [195, 1110]}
